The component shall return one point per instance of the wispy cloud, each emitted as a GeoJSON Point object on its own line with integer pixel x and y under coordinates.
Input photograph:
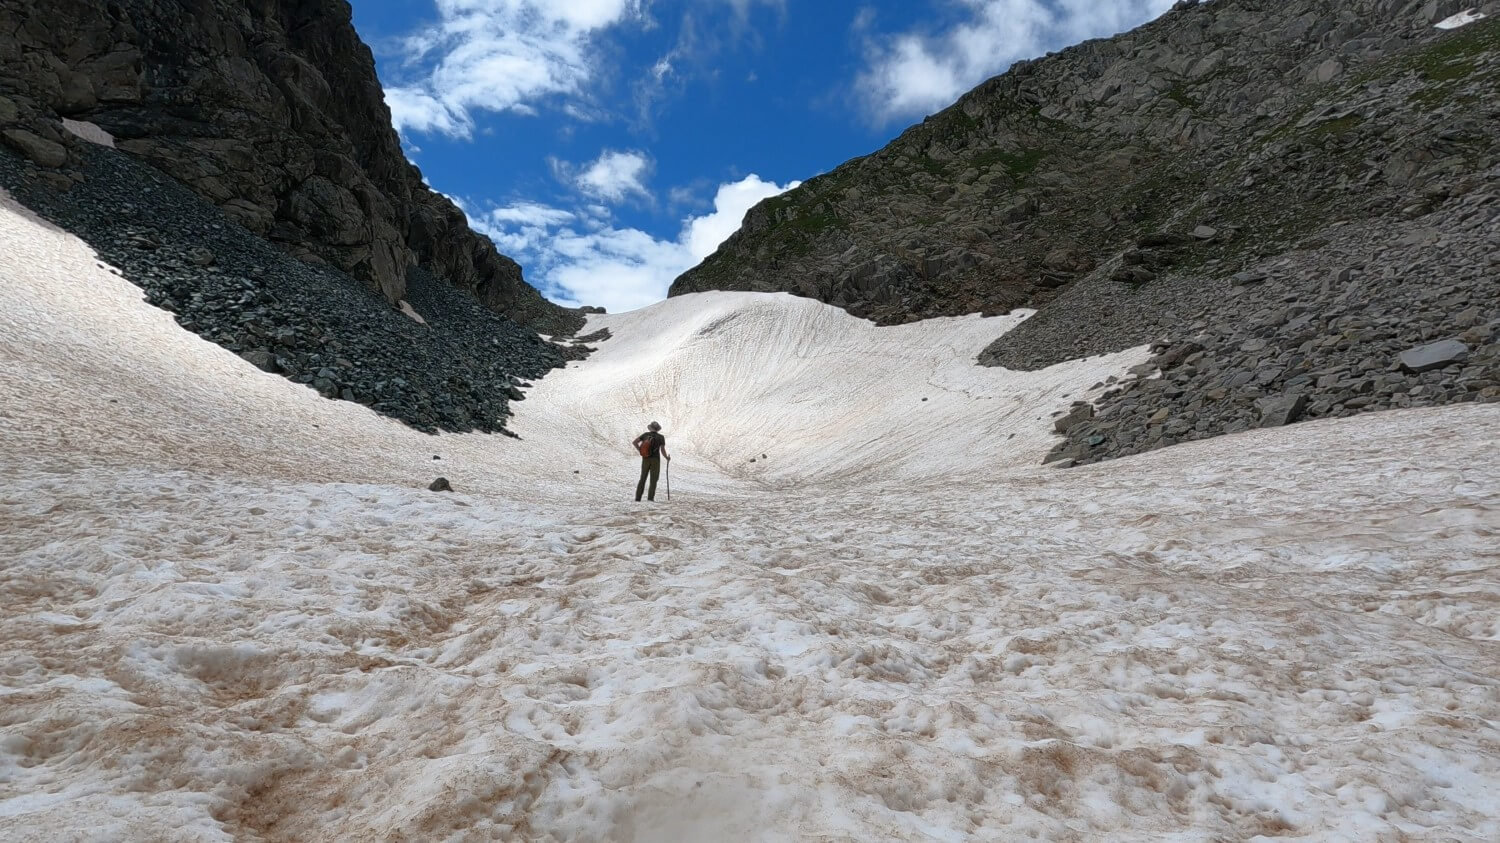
{"type": "Point", "coordinates": [702, 34]}
{"type": "Point", "coordinates": [912, 74]}
{"type": "Point", "coordinates": [520, 55]}
{"type": "Point", "coordinates": [580, 257]}
{"type": "Point", "coordinates": [531, 214]}
{"type": "Point", "coordinates": [499, 55]}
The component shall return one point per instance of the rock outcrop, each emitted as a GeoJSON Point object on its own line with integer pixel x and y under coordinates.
{"type": "Point", "coordinates": [271, 110]}
{"type": "Point", "coordinates": [1282, 196]}
{"type": "Point", "coordinates": [1383, 315]}
{"type": "Point", "coordinates": [1202, 121]}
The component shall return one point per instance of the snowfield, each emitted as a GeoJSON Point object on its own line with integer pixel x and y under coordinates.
{"type": "Point", "coordinates": [230, 609]}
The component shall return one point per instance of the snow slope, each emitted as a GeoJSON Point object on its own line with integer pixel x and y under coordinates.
{"type": "Point", "coordinates": [230, 610]}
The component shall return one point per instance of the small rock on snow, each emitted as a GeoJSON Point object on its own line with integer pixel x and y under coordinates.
{"type": "Point", "coordinates": [261, 359]}
{"type": "Point", "coordinates": [1281, 410]}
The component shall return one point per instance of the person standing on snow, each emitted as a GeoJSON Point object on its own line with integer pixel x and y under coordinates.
{"type": "Point", "coordinates": [653, 446]}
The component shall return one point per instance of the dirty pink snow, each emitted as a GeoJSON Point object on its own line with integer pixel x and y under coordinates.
{"type": "Point", "coordinates": [230, 609]}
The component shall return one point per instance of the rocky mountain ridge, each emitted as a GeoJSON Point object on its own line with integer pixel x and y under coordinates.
{"type": "Point", "coordinates": [271, 111]}
{"type": "Point", "coordinates": [1059, 166]}
{"type": "Point", "coordinates": [1188, 184]}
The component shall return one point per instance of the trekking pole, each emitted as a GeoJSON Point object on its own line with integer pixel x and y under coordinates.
{"type": "Point", "coordinates": [669, 479]}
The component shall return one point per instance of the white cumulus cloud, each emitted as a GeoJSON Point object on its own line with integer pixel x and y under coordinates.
{"type": "Point", "coordinates": [615, 175]}
{"type": "Point", "coordinates": [580, 257]}
{"type": "Point", "coordinates": [914, 74]}
{"type": "Point", "coordinates": [702, 235]}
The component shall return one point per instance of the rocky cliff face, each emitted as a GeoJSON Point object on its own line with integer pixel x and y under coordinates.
{"type": "Point", "coordinates": [1103, 159]}
{"type": "Point", "coordinates": [269, 109]}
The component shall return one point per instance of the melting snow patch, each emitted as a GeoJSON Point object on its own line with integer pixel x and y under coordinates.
{"type": "Point", "coordinates": [1463, 18]}
{"type": "Point", "coordinates": [90, 132]}
{"type": "Point", "coordinates": [412, 312]}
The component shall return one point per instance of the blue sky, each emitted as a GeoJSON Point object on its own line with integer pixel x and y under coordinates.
{"type": "Point", "coordinates": [609, 145]}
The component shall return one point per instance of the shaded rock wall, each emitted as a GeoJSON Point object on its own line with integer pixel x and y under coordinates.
{"type": "Point", "coordinates": [269, 109]}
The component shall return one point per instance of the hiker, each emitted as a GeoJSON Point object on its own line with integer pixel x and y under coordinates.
{"type": "Point", "coordinates": [653, 446]}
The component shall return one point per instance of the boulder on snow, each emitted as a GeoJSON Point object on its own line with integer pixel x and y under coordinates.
{"type": "Point", "coordinates": [440, 485]}
{"type": "Point", "coordinates": [262, 359]}
{"type": "Point", "coordinates": [1077, 415]}
{"type": "Point", "coordinates": [1280, 410]}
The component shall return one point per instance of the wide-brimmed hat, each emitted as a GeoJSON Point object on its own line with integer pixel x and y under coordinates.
{"type": "Point", "coordinates": [653, 426]}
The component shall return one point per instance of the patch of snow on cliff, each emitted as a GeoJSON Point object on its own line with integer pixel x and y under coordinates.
{"type": "Point", "coordinates": [90, 132]}
{"type": "Point", "coordinates": [1463, 18]}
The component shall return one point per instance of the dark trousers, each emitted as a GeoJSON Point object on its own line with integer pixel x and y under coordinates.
{"type": "Point", "coordinates": [650, 467]}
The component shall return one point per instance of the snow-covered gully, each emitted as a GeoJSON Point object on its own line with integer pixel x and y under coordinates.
{"type": "Point", "coordinates": [230, 609]}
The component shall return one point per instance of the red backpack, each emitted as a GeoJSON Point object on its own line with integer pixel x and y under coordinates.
{"type": "Point", "coordinates": [649, 442]}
